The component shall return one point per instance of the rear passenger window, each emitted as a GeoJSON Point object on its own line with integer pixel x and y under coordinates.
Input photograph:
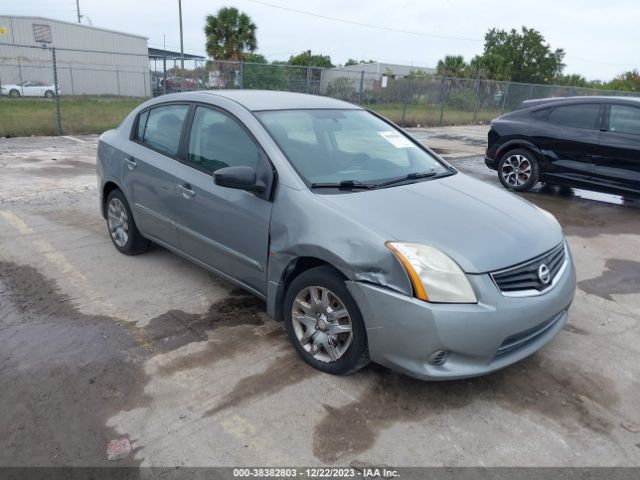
{"type": "Point", "coordinates": [218, 141]}
{"type": "Point", "coordinates": [577, 116]}
{"type": "Point", "coordinates": [624, 119]}
{"type": "Point", "coordinates": [163, 128]}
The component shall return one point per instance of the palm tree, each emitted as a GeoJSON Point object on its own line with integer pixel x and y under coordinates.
{"type": "Point", "coordinates": [229, 34]}
{"type": "Point", "coordinates": [451, 66]}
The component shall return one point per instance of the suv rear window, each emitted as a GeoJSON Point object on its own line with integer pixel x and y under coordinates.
{"type": "Point", "coordinates": [584, 115]}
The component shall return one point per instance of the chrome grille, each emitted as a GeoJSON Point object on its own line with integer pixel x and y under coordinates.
{"type": "Point", "coordinates": [526, 278]}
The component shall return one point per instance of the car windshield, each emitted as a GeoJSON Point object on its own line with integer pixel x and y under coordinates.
{"type": "Point", "coordinates": [348, 148]}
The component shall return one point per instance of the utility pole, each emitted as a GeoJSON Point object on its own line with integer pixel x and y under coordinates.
{"type": "Point", "coordinates": [181, 44]}
{"type": "Point", "coordinates": [78, 10]}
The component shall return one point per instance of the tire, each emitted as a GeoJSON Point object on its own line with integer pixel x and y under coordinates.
{"type": "Point", "coordinates": [49, 94]}
{"type": "Point", "coordinates": [14, 93]}
{"type": "Point", "coordinates": [328, 346]}
{"type": "Point", "coordinates": [519, 170]}
{"type": "Point", "coordinates": [122, 229]}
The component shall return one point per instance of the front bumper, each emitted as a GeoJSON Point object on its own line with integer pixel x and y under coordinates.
{"type": "Point", "coordinates": [403, 332]}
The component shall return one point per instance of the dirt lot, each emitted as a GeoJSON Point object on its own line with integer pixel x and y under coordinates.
{"type": "Point", "coordinates": [96, 346]}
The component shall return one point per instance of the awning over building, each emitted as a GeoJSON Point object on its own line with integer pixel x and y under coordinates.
{"type": "Point", "coordinates": [159, 54]}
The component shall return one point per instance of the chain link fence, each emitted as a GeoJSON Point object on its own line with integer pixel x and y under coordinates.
{"type": "Point", "coordinates": [48, 90]}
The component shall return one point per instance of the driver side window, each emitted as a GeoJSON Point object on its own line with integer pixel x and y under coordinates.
{"type": "Point", "coordinates": [218, 141]}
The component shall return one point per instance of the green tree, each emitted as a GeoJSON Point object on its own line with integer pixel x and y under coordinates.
{"type": "Point", "coordinates": [353, 61]}
{"type": "Point", "coordinates": [520, 56]}
{"type": "Point", "coordinates": [572, 80]}
{"type": "Point", "coordinates": [307, 59]}
{"type": "Point", "coordinates": [230, 34]}
{"type": "Point", "coordinates": [629, 81]}
{"type": "Point", "coordinates": [257, 73]}
{"type": "Point", "coordinates": [451, 66]}
{"type": "Point", "coordinates": [488, 66]}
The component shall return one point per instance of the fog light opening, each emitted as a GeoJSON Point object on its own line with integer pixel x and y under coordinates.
{"type": "Point", "coordinates": [438, 358]}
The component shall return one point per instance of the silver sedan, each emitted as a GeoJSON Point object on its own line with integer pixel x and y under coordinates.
{"type": "Point", "coordinates": [363, 241]}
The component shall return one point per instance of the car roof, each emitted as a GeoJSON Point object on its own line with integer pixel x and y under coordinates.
{"type": "Point", "coordinates": [538, 102]}
{"type": "Point", "coordinates": [257, 100]}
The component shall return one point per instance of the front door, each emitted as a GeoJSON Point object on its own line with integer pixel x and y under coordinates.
{"type": "Point", "coordinates": [618, 160]}
{"type": "Point", "coordinates": [224, 228]}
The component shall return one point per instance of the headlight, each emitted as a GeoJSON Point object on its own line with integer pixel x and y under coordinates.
{"type": "Point", "coordinates": [434, 275]}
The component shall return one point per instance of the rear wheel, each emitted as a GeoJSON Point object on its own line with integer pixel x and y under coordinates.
{"type": "Point", "coordinates": [49, 94]}
{"type": "Point", "coordinates": [518, 170]}
{"type": "Point", "coordinates": [122, 228]}
{"type": "Point", "coordinates": [324, 323]}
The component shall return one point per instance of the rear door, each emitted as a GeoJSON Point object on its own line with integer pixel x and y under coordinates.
{"type": "Point", "coordinates": [224, 228]}
{"type": "Point", "coordinates": [568, 137]}
{"type": "Point", "coordinates": [618, 161]}
{"type": "Point", "coordinates": [147, 167]}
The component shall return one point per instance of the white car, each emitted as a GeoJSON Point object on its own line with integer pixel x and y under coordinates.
{"type": "Point", "coordinates": [29, 88]}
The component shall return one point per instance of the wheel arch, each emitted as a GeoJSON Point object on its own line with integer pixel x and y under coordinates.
{"type": "Point", "coordinates": [108, 187]}
{"type": "Point", "coordinates": [519, 143]}
{"type": "Point", "coordinates": [292, 270]}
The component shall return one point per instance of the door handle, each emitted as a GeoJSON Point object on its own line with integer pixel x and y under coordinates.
{"type": "Point", "coordinates": [131, 163]}
{"type": "Point", "coordinates": [186, 191]}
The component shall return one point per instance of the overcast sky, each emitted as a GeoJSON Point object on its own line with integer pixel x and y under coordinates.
{"type": "Point", "coordinates": [601, 38]}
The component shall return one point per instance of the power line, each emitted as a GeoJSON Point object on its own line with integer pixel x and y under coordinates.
{"type": "Point", "coordinates": [588, 60]}
{"type": "Point", "coordinates": [408, 32]}
{"type": "Point", "coordinates": [368, 25]}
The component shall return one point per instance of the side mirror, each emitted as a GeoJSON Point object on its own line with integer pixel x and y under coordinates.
{"type": "Point", "coordinates": [240, 178]}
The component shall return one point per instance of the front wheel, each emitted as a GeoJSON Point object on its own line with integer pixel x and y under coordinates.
{"type": "Point", "coordinates": [324, 323]}
{"type": "Point", "coordinates": [14, 93]}
{"type": "Point", "coordinates": [518, 170]}
{"type": "Point", "coordinates": [49, 94]}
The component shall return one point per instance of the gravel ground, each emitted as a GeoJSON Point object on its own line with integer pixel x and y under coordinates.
{"type": "Point", "coordinates": [96, 346]}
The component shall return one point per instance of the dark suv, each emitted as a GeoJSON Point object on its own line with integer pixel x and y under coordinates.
{"type": "Point", "coordinates": [583, 142]}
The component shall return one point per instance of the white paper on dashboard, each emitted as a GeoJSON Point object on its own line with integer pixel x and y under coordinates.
{"type": "Point", "coordinates": [396, 139]}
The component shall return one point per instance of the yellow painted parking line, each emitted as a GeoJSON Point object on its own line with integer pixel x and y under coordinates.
{"type": "Point", "coordinates": [245, 432]}
{"type": "Point", "coordinates": [75, 277]}
{"type": "Point", "coordinates": [73, 138]}
{"type": "Point", "coordinates": [242, 429]}
{"type": "Point", "coordinates": [16, 222]}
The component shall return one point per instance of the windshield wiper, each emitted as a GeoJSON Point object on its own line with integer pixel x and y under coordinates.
{"type": "Point", "coordinates": [411, 176]}
{"type": "Point", "coordinates": [345, 185]}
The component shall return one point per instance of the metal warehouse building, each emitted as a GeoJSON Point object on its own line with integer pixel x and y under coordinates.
{"type": "Point", "coordinates": [89, 60]}
{"type": "Point", "coordinates": [370, 72]}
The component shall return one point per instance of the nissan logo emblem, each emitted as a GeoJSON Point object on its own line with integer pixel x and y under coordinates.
{"type": "Point", "coordinates": [543, 274]}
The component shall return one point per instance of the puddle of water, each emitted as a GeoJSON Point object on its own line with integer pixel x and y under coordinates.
{"type": "Point", "coordinates": [584, 217]}
{"type": "Point", "coordinates": [64, 374]}
{"type": "Point", "coordinates": [556, 390]}
{"type": "Point", "coordinates": [619, 277]}
{"type": "Point", "coordinates": [567, 192]}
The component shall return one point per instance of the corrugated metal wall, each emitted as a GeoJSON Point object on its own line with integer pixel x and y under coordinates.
{"type": "Point", "coordinates": [90, 61]}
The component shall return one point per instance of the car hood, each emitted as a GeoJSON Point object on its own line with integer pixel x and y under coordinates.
{"type": "Point", "coordinates": [481, 227]}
